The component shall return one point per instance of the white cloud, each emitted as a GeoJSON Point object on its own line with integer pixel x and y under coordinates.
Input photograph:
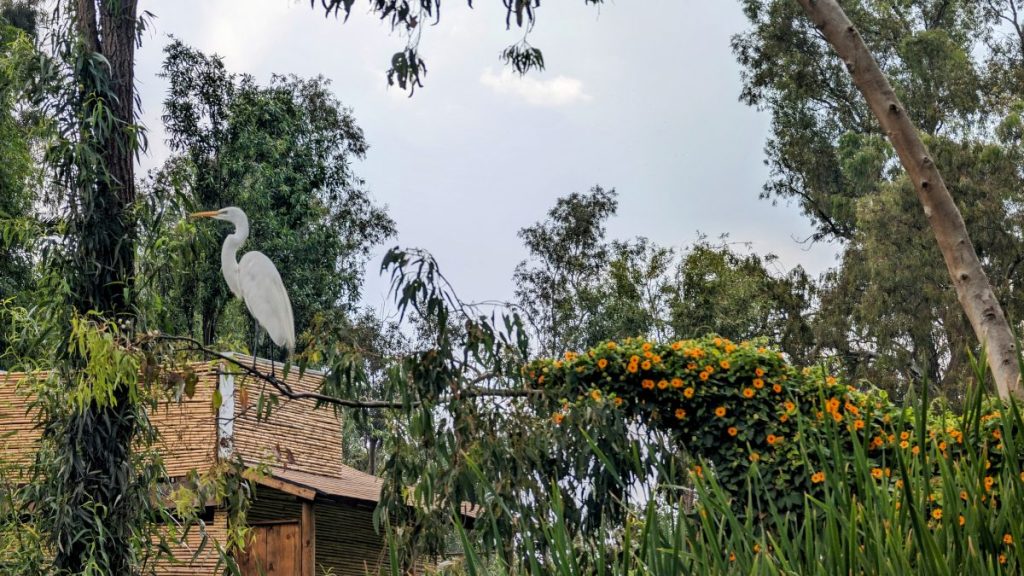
{"type": "Point", "coordinates": [557, 91]}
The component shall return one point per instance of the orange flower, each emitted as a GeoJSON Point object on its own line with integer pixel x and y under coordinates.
{"type": "Point", "coordinates": [784, 418]}
{"type": "Point", "coordinates": [648, 384]}
{"type": "Point", "coordinates": [748, 392]}
{"type": "Point", "coordinates": [557, 417]}
{"type": "Point", "coordinates": [596, 395]}
{"type": "Point", "coordinates": [656, 359]}
{"type": "Point", "coordinates": [724, 364]}
{"type": "Point", "coordinates": [877, 473]}
{"type": "Point", "coordinates": [858, 424]}
{"type": "Point", "coordinates": [680, 413]}
{"type": "Point", "coordinates": [704, 376]}
{"type": "Point", "coordinates": [915, 450]}
{"type": "Point", "coordinates": [646, 364]}
{"type": "Point", "coordinates": [691, 366]}
{"type": "Point", "coordinates": [758, 383]}
{"type": "Point", "coordinates": [772, 439]}
{"type": "Point", "coordinates": [662, 384]}
{"type": "Point", "coordinates": [677, 345]}
{"type": "Point", "coordinates": [757, 548]}
{"type": "Point", "coordinates": [720, 411]}
{"type": "Point", "coordinates": [1002, 558]}
{"type": "Point", "coordinates": [611, 345]}
{"type": "Point", "coordinates": [817, 477]}
{"type": "Point", "coordinates": [759, 372]}
{"type": "Point", "coordinates": [777, 388]}
{"type": "Point", "coordinates": [602, 363]}
{"type": "Point", "coordinates": [904, 435]}
{"type": "Point", "coordinates": [754, 457]}
{"type": "Point", "coordinates": [937, 513]}
{"type": "Point", "coordinates": [618, 401]}
{"type": "Point", "coordinates": [997, 434]}
{"type": "Point", "coordinates": [646, 346]}
{"type": "Point", "coordinates": [1008, 539]}
{"type": "Point", "coordinates": [732, 431]}
{"type": "Point", "coordinates": [699, 471]}
{"type": "Point", "coordinates": [904, 444]}
{"type": "Point", "coordinates": [961, 520]}
{"type": "Point", "coordinates": [688, 392]}
{"type": "Point", "coordinates": [632, 368]}
{"type": "Point", "coordinates": [732, 556]}
{"type": "Point", "coordinates": [789, 406]}
{"type": "Point", "coordinates": [709, 369]}
{"type": "Point", "coordinates": [677, 382]}
{"type": "Point", "coordinates": [989, 481]}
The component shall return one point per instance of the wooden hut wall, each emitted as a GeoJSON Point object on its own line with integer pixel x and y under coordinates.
{"type": "Point", "coordinates": [269, 505]}
{"type": "Point", "coordinates": [346, 541]}
{"type": "Point", "coordinates": [296, 436]}
{"type": "Point", "coordinates": [188, 429]}
{"type": "Point", "coordinates": [18, 427]}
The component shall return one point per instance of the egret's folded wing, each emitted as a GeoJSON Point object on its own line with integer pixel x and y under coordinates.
{"type": "Point", "coordinates": [266, 298]}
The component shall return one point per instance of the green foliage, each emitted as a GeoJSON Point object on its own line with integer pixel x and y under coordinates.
{"type": "Point", "coordinates": [738, 297]}
{"type": "Point", "coordinates": [941, 496]}
{"type": "Point", "coordinates": [18, 171]}
{"type": "Point", "coordinates": [577, 289]}
{"type": "Point", "coordinates": [408, 17]}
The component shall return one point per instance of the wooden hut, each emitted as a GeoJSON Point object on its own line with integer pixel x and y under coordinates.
{"type": "Point", "coordinates": [310, 515]}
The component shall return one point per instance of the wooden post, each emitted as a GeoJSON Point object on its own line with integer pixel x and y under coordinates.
{"type": "Point", "coordinates": [308, 535]}
{"type": "Point", "coordinates": [226, 414]}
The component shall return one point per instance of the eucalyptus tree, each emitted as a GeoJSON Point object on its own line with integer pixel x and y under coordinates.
{"type": "Point", "coordinates": [91, 495]}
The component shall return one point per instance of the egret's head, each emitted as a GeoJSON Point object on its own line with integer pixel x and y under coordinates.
{"type": "Point", "coordinates": [230, 214]}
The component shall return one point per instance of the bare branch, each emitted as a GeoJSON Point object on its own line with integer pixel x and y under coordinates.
{"type": "Point", "coordinates": [471, 390]}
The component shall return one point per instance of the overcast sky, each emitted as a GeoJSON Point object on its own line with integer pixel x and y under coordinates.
{"type": "Point", "coordinates": [640, 97]}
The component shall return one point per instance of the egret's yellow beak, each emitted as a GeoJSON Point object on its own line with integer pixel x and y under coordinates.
{"type": "Point", "coordinates": [209, 214]}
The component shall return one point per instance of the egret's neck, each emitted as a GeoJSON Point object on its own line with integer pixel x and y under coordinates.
{"type": "Point", "coordinates": [228, 259]}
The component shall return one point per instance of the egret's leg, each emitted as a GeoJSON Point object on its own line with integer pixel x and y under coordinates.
{"type": "Point", "coordinates": [255, 342]}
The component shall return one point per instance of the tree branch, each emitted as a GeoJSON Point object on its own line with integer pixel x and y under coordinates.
{"type": "Point", "coordinates": [472, 390]}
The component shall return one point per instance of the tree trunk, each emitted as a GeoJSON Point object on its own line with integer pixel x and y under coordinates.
{"type": "Point", "coordinates": [98, 480]}
{"type": "Point", "coordinates": [972, 285]}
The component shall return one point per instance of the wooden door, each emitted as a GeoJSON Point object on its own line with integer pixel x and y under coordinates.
{"type": "Point", "coordinates": [273, 551]}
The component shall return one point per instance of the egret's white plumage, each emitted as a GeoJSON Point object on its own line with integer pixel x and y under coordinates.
{"type": "Point", "coordinates": [255, 280]}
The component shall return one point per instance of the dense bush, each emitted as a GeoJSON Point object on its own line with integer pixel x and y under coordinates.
{"type": "Point", "coordinates": [741, 406]}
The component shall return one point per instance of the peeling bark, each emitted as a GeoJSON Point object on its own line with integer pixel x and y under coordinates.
{"type": "Point", "coordinates": [972, 285]}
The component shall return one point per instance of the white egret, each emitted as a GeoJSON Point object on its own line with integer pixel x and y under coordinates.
{"type": "Point", "coordinates": [255, 280]}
